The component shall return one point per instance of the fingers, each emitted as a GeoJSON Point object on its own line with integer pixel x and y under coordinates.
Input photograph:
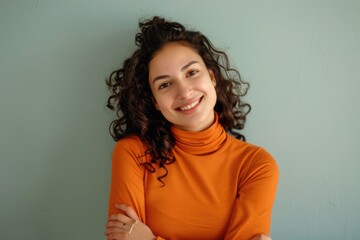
{"type": "Point", "coordinates": [113, 228]}
{"type": "Point", "coordinates": [120, 217]}
{"type": "Point", "coordinates": [118, 226]}
{"type": "Point", "coordinates": [130, 212]}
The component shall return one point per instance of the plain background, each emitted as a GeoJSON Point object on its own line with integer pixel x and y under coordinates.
{"type": "Point", "coordinates": [302, 59]}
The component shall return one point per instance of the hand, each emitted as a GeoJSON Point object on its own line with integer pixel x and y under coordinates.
{"type": "Point", "coordinates": [261, 237]}
{"type": "Point", "coordinates": [127, 226]}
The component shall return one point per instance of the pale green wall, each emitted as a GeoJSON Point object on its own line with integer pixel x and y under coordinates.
{"type": "Point", "coordinates": [302, 59]}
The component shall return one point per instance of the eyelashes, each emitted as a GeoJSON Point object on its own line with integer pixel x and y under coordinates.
{"type": "Point", "coordinates": [189, 74]}
{"type": "Point", "coordinates": [192, 73]}
{"type": "Point", "coordinates": [164, 85]}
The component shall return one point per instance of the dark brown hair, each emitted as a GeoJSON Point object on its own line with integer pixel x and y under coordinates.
{"type": "Point", "coordinates": [131, 96]}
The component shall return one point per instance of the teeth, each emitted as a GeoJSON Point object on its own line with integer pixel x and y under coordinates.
{"type": "Point", "coordinates": [190, 106]}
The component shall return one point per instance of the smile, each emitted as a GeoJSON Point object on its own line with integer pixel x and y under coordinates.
{"type": "Point", "coordinates": [190, 106]}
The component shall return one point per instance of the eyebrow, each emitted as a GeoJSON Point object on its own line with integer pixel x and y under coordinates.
{"type": "Point", "coordinates": [188, 65]}
{"type": "Point", "coordinates": [182, 69]}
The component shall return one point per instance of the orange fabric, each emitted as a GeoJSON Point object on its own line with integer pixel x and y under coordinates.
{"type": "Point", "coordinates": [218, 188]}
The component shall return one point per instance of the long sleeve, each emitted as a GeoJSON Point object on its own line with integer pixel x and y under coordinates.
{"type": "Point", "coordinates": [257, 188]}
{"type": "Point", "coordinates": [127, 177]}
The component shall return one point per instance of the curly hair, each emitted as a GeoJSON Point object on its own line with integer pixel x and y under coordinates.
{"type": "Point", "coordinates": [131, 96]}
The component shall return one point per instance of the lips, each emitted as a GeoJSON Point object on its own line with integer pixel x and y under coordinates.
{"type": "Point", "coordinates": [190, 106]}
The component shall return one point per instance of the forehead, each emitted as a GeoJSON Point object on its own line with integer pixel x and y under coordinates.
{"type": "Point", "coordinates": [173, 55]}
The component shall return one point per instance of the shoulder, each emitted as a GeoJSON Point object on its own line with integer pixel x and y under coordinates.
{"type": "Point", "coordinates": [130, 147]}
{"type": "Point", "coordinates": [257, 168]}
{"type": "Point", "coordinates": [131, 141]}
{"type": "Point", "coordinates": [254, 157]}
{"type": "Point", "coordinates": [263, 159]}
{"type": "Point", "coordinates": [262, 164]}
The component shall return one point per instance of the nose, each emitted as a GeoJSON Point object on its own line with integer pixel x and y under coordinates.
{"type": "Point", "coordinates": [184, 90]}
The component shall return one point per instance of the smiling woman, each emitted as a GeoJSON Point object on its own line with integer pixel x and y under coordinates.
{"type": "Point", "coordinates": [179, 168]}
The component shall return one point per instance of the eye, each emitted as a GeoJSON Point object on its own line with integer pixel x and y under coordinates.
{"type": "Point", "coordinates": [192, 73]}
{"type": "Point", "coordinates": [164, 85]}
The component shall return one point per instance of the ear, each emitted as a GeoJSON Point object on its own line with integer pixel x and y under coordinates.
{"type": "Point", "coordinates": [212, 77]}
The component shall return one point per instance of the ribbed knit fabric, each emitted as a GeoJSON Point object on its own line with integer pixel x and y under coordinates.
{"type": "Point", "coordinates": [218, 188]}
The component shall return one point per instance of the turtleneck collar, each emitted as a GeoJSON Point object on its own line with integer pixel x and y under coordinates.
{"type": "Point", "coordinates": [203, 142]}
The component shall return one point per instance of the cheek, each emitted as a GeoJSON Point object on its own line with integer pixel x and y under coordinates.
{"type": "Point", "coordinates": [161, 103]}
{"type": "Point", "coordinates": [212, 91]}
{"type": "Point", "coordinates": [208, 86]}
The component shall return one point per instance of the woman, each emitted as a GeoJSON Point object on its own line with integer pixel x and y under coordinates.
{"type": "Point", "coordinates": [180, 169]}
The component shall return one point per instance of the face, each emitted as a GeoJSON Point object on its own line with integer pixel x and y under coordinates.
{"type": "Point", "coordinates": [183, 88]}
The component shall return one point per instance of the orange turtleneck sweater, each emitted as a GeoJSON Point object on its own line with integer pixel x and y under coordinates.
{"type": "Point", "coordinates": [218, 188]}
